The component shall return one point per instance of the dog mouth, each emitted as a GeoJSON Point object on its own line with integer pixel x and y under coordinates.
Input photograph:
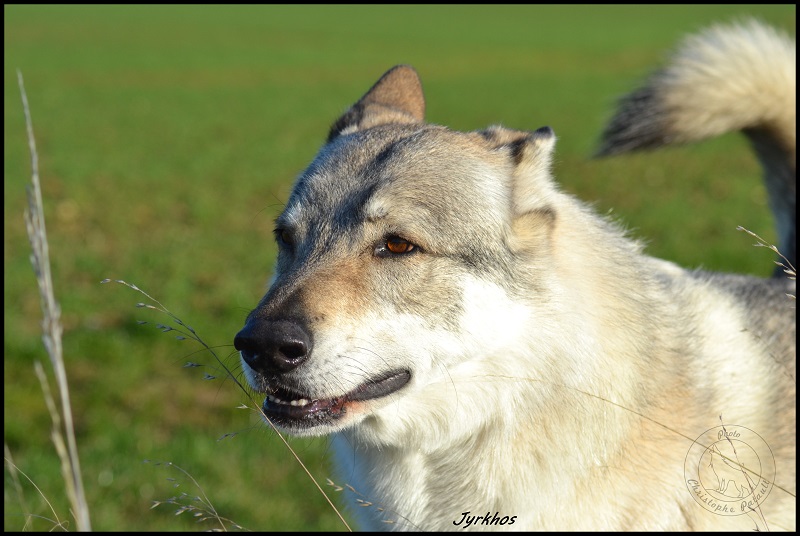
{"type": "Point", "coordinates": [290, 409]}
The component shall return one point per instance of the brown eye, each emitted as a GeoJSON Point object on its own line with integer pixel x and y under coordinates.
{"type": "Point", "coordinates": [398, 245]}
{"type": "Point", "coordinates": [284, 237]}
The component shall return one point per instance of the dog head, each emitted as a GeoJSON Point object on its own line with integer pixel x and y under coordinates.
{"type": "Point", "coordinates": [400, 262]}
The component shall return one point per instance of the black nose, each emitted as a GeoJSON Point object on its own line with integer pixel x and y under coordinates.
{"type": "Point", "coordinates": [273, 347]}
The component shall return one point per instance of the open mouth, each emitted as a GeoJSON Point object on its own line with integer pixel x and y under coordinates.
{"type": "Point", "coordinates": [293, 410]}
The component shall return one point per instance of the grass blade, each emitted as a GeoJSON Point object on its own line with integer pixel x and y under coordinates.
{"type": "Point", "coordinates": [51, 332]}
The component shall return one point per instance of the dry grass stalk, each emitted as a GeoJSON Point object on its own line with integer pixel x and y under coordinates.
{"type": "Point", "coordinates": [51, 335]}
{"type": "Point", "coordinates": [786, 266]}
{"type": "Point", "coordinates": [200, 507]}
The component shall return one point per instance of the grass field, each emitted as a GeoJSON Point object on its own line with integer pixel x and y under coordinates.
{"type": "Point", "coordinates": [168, 138]}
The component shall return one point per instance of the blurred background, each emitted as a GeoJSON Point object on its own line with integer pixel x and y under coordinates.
{"type": "Point", "coordinates": [168, 139]}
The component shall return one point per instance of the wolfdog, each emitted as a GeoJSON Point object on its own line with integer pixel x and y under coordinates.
{"type": "Point", "coordinates": [489, 353]}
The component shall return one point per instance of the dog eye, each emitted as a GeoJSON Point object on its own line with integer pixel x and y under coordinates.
{"type": "Point", "coordinates": [394, 245]}
{"type": "Point", "coordinates": [284, 237]}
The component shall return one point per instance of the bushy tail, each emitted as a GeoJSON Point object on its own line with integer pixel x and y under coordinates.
{"type": "Point", "coordinates": [728, 78]}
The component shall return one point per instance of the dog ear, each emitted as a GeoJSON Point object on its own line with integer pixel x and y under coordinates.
{"type": "Point", "coordinates": [534, 214]}
{"type": "Point", "coordinates": [532, 156]}
{"type": "Point", "coordinates": [534, 151]}
{"type": "Point", "coordinates": [396, 98]}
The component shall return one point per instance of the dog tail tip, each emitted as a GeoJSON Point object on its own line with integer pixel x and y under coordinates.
{"type": "Point", "coordinates": [637, 125]}
{"type": "Point", "coordinates": [729, 77]}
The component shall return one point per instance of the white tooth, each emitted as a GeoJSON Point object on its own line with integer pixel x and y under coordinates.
{"type": "Point", "coordinates": [300, 402]}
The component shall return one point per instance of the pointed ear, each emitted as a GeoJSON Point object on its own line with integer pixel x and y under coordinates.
{"type": "Point", "coordinates": [535, 215]}
{"type": "Point", "coordinates": [533, 181]}
{"type": "Point", "coordinates": [395, 98]}
{"type": "Point", "coordinates": [532, 156]}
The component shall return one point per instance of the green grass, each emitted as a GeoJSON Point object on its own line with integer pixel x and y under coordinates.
{"type": "Point", "coordinates": [168, 138]}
